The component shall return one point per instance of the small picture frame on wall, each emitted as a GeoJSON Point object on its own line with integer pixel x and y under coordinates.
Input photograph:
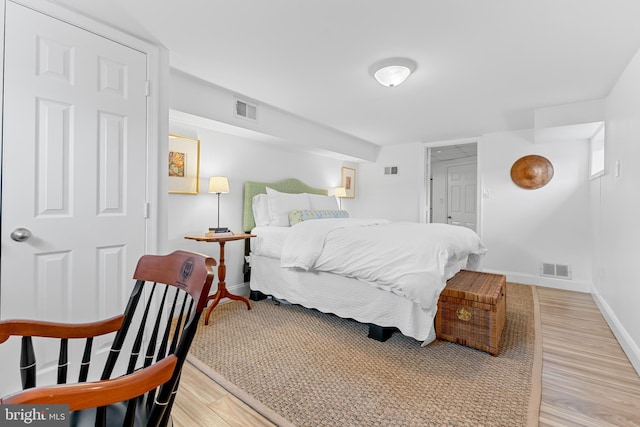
{"type": "Point", "coordinates": [184, 165]}
{"type": "Point", "coordinates": [349, 182]}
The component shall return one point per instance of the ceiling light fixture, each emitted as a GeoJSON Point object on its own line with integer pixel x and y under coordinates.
{"type": "Point", "coordinates": [392, 71]}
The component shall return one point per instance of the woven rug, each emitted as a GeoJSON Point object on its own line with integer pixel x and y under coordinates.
{"type": "Point", "coordinates": [315, 369]}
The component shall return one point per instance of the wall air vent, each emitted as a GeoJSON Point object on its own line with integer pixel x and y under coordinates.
{"type": "Point", "coordinates": [390, 170]}
{"type": "Point", "coordinates": [561, 271]}
{"type": "Point", "coordinates": [245, 110]}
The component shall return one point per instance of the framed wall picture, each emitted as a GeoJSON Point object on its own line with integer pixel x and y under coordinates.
{"type": "Point", "coordinates": [349, 182]}
{"type": "Point", "coordinates": [184, 165]}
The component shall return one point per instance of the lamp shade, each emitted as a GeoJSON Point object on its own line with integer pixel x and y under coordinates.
{"type": "Point", "coordinates": [218, 184]}
{"type": "Point", "coordinates": [393, 71]}
{"type": "Point", "coordinates": [340, 192]}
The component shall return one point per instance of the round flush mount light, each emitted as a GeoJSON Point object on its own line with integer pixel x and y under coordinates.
{"type": "Point", "coordinates": [392, 71]}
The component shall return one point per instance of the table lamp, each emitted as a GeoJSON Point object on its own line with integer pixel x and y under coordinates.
{"type": "Point", "coordinates": [219, 184]}
{"type": "Point", "coordinates": [340, 192]}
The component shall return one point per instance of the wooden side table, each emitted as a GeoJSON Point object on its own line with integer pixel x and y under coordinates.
{"type": "Point", "coordinates": [222, 271]}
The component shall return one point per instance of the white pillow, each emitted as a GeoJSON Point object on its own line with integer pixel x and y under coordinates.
{"type": "Point", "coordinates": [323, 203]}
{"type": "Point", "coordinates": [260, 206]}
{"type": "Point", "coordinates": [280, 204]}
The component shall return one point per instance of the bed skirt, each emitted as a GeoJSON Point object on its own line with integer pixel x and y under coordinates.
{"type": "Point", "coordinates": [345, 297]}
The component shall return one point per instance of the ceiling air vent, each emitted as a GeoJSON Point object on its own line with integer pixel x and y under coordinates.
{"type": "Point", "coordinates": [246, 110]}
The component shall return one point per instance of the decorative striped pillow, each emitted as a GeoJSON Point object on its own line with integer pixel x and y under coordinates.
{"type": "Point", "coordinates": [300, 215]}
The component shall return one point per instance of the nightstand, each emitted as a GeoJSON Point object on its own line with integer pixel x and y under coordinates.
{"type": "Point", "coordinates": [222, 270]}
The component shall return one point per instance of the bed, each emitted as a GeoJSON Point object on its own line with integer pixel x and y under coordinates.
{"type": "Point", "coordinates": [387, 275]}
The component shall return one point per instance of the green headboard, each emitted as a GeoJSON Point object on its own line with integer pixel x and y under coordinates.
{"type": "Point", "coordinates": [252, 188]}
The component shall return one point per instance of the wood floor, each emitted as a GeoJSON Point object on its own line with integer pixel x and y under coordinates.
{"type": "Point", "coordinates": [586, 378]}
{"type": "Point", "coordinates": [202, 402]}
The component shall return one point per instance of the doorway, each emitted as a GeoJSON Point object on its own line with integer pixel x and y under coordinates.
{"type": "Point", "coordinates": [451, 183]}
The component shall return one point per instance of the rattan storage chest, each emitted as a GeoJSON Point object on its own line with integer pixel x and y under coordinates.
{"type": "Point", "coordinates": [472, 310]}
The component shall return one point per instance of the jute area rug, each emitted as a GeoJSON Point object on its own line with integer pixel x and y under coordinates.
{"type": "Point", "coordinates": [314, 369]}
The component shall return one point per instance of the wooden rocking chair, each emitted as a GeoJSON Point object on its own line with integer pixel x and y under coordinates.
{"type": "Point", "coordinates": [176, 287]}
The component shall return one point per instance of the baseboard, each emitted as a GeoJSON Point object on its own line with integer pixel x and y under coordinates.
{"type": "Point", "coordinates": [630, 348]}
{"type": "Point", "coordinates": [548, 282]}
{"type": "Point", "coordinates": [241, 289]}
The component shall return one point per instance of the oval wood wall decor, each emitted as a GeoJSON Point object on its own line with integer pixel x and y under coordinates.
{"type": "Point", "coordinates": [531, 172]}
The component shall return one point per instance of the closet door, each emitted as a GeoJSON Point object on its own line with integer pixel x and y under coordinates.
{"type": "Point", "coordinates": [73, 172]}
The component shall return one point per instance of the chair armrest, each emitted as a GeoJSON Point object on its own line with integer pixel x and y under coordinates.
{"type": "Point", "coordinates": [98, 393]}
{"type": "Point", "coordinates": [35, 328]}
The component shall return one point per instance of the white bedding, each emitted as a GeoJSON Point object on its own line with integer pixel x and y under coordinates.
{"type": "Point", "coordinates": [268, 241]}
{"type": "Point", "coordinates": [407, 259]}
{"type": "Point", "coordinates": [406, 264]}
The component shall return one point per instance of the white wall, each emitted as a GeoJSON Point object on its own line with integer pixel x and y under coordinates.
{"type": "Point", "coordinates": [523, 228]}
{"type": "Point", "coordinates": [520, 227]}
{"type": "Point", "coordinates": [240, 159]}
{"type": "Point", "coordinates": [394, 197]}
{"type": "Point", "coordinates": [203, 99]}
{"type": "Point", "coordinates": [616, 205]}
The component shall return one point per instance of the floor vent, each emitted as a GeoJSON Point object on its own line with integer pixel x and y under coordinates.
{"type": "Point", "coordinates": [561, 271]}
{"type": "Point", "coordinates": [246, 110]}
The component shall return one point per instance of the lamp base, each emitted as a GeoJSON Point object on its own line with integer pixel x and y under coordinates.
{"type": "Point", "coordinates": [218, 230]}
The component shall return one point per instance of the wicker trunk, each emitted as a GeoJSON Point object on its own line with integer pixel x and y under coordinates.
{"type": "Point", "coordinates": [472, 310]}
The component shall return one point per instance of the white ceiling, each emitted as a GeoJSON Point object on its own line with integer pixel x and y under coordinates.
{"type": "Point", "coordinates": [483, 65]}
{"type": "Point", "coordinates": [454, 152]}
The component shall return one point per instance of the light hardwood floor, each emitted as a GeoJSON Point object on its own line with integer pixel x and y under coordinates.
{"type": "Point", "coordinates": [586, 378]}
{"type": "Point", "coordinates": [202, 402]}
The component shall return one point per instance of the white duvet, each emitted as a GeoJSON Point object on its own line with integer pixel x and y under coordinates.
{"type": "Point", "coordinates": [408, 259]}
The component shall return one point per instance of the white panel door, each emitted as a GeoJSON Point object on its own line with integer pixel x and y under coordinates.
{"type": "Point", "coordinates": [461, 195]}
{"type": "Point", "coordinates": [73, 172]}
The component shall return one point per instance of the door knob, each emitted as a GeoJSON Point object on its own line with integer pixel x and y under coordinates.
{"type": "Point", "coordinates": [20, 234]}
